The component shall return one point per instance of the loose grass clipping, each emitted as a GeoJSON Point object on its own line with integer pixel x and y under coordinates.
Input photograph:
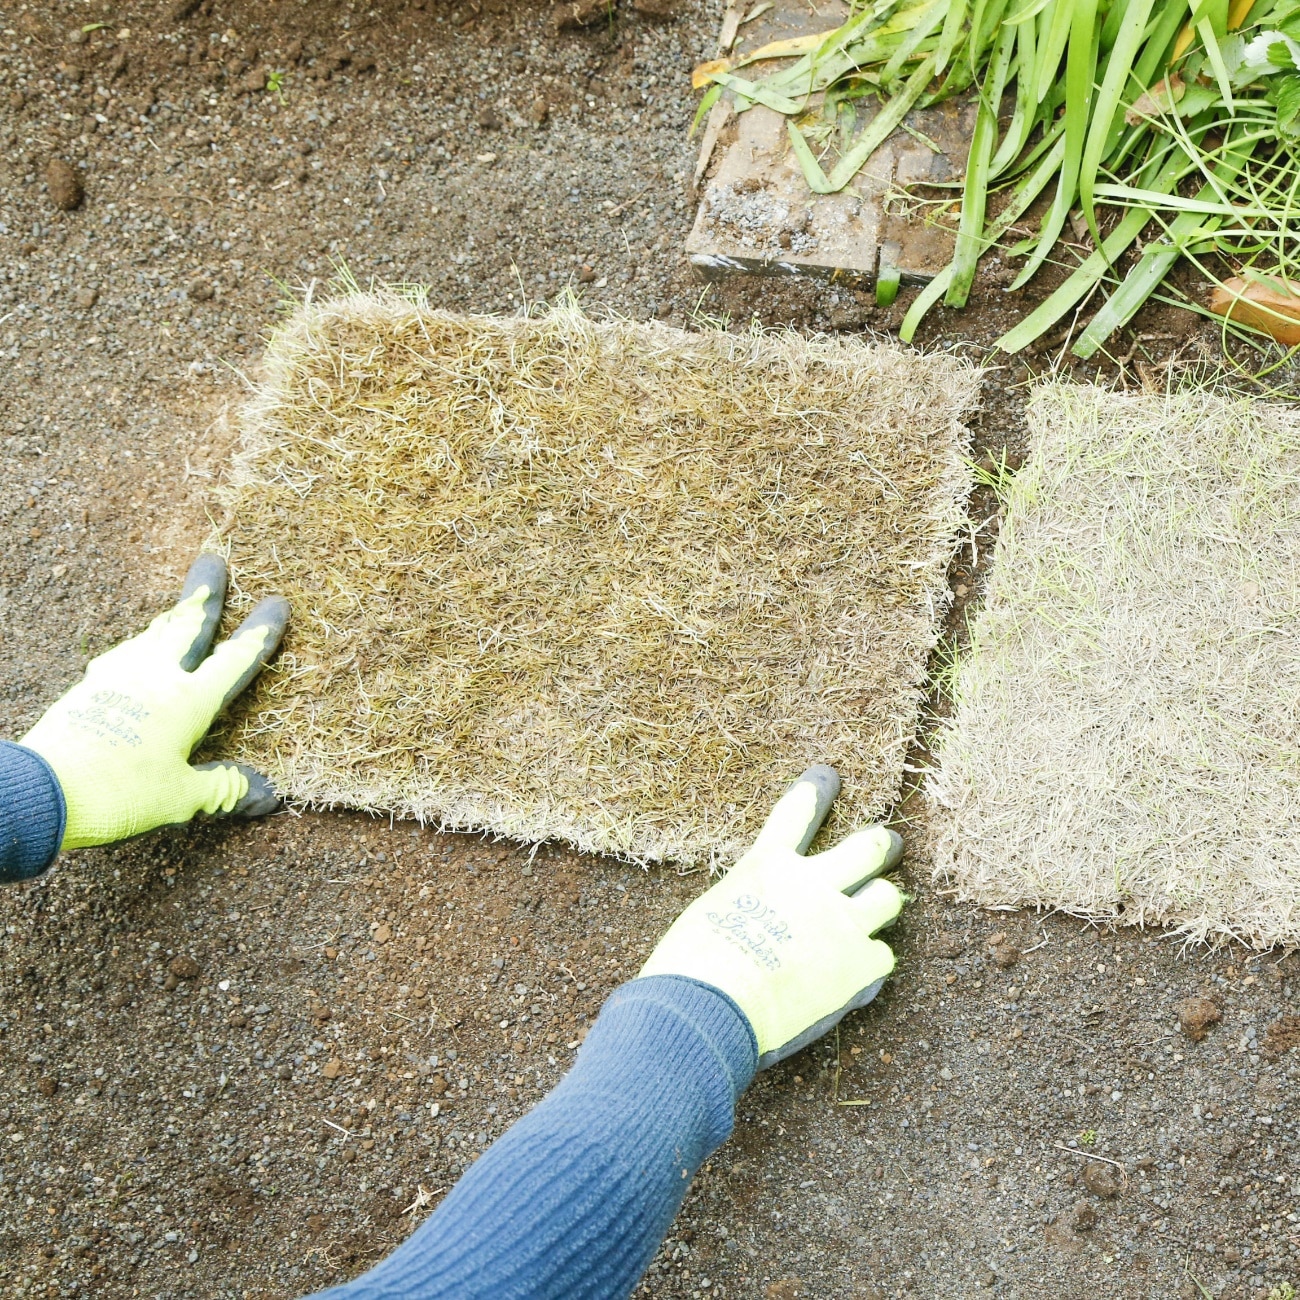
{"type": "Point", "coordinates": [1125, 742]}
{"type": "Point", "coordinates": [611, 583]}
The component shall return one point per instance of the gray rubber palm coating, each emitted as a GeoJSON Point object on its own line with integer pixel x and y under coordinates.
{"type": "Point", "coordinates": [273, 614]}
{"type": "Point", "coordinates": [823, 1026]}
{"type": "Point", "coordinates": [827, 781]}
{"type": "Point", "coordinates": [207, 571]}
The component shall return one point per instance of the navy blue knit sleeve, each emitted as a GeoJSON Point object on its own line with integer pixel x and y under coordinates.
{"type": "Point", "coordinates": [574, 1199]}
{"type": "Point", "coordinates": [32, 813]}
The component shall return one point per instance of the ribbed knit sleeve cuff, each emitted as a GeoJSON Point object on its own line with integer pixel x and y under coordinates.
{"type": "Point", "coordinates": [33, 813]}
{"type": "Point", "coordinates": [696, 1027]}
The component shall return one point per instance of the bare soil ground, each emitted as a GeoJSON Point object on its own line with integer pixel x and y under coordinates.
{"type": "Point", "coordinates": [245, 1061]}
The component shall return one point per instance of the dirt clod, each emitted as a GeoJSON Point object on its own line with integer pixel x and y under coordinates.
{"type": "Point", "coordinates": [184, 967]}
{"type": "Point", "coordinates": [949, 945]}
{"type": "Point", "coordinates": [201, 290]}
{"type": "Point", "coordinates": [571, 15]}
{"type": "Point", "coordinates": [1196, 1015]}
{"type": "Point", "coordinates": [66, 189]}
{"type": "Point", "coordinates": [1282, 1035]}
{"type": "Point", "coordinates": [786, 1288]}
{"type": "Point", "coordinates": [1006, 955]}
{"type": "Point", "coordinates": [1083, 1218]}
{"type": "Point", "coordinates": [1100, 1179]}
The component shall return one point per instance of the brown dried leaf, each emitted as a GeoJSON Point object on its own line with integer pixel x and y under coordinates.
{"type": "Point", "coordinates": [1160, 99]}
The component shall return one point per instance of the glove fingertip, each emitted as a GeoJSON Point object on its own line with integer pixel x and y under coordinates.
{"type": "Point", "coordinates": [826, 781]}
{"type": "Point", "coordinates": [258, 800]}
{"type": "Point", "coordinates": [894, 853]}
{"type": "Point", "coordinates": [207, 572]}
{"type": "Point", "coordinates": [878, 904]}
{"type": "Point", "coordinates": [270, 616]}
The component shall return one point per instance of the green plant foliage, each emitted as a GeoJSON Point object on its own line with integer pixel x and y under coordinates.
{"type": "Point", "coordinates": [1181, 115]}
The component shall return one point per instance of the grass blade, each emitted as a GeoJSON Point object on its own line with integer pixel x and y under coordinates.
{"type": "Point", "coordinates": [1026, 190]}
{"type": "Point", "coordinates": [1080, 65]}
{"type": "Point", "coordinates": [925, 26]}
{"type": "Point", "coordinates": [878, 129]}
{"type": "Point", "coordinates": [1157, 258]}
{"type": "Point", "coordinates": [1023, 116]}
{"type": "Point", "coordinates": [951, 34]}
{"type": "Point", "coordinates": [1054, 30]}
{"type": "Point", "coordinates": [757, 93]}
{"type": "Point", "coordinates": [1091, 270]}
{"type": "Point", "coordinates": [711, 97]}
{"type": "Point", "coordinates": [812, 169]}
{"type": "Point", "coordinates": [975, 187]}
{"type": "Point", "coordinates": [1119, 68]}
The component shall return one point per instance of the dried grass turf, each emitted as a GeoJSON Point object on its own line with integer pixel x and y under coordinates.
{"type": "Point", "coordinates": [610, 583]}
{"type": "Point", "coordinates": [1126, 737]}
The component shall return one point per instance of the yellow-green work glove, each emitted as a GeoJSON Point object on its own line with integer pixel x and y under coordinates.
{"type": "Point", "coordinates": [120, 740]}
{"type": "Point", "coordinates": [787, 937]}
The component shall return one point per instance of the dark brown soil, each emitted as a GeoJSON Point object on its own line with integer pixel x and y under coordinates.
{"type": "Point", "coordinates": [243, 1061]}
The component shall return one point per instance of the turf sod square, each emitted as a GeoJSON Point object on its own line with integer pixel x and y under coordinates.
{"type": "Point", "coordinates": [1125, 740]}
{"type": "Point", "coordinates": [606, 582]}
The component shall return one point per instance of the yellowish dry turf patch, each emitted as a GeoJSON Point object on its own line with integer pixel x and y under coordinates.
{"type": "Point", "coordinates": [610, 583]}
{"type": "Point", "coordinates": [1126, 738]}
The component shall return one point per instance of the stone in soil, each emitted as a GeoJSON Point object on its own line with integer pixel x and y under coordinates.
{"type": "Point", "coordinates": [66, 189]}
{"type": "Point", "coordinates": [571, 15]}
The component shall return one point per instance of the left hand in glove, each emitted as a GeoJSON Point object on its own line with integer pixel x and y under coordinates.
{"type": "Point", "coordinates": [120, 740]}
{"type": "Point", "coordinates": [787, 937]}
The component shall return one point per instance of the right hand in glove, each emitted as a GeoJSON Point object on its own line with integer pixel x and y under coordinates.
{"type": "Point", "coordinates": [787, 937]}
{"type": "Point", "coordinates": [120, 740]}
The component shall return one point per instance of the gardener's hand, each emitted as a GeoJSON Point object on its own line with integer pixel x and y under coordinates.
{"type": "Point", "coordinates": [787, 937]}
{"type": "Point", "coordinates": [120, 740]}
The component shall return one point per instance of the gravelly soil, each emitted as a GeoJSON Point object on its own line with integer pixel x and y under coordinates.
{"type": "Point", "coordinates": [244, 1061]}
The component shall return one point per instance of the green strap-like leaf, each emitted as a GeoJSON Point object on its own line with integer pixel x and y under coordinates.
{"type": "Point", "coordinates": [975, 189]}
{"type": "Point", "coordinates": [1080, 63]}
{"type": "Point", "coordinates": [1152, 267]}
{"type": "Point", "coordinates": [1025, 191]}
{"type": "Point", "coordinates": [1091, 270]}
{"type": "Point", "coordinates": [811, 168]}
{"type": "Point", "coordinates": [1119, 68]}
{"type": "Point", "coordinates": [880, 126]}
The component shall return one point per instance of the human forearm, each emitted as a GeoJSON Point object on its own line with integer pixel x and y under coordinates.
{"type": "Point", "coordinates": [574, 1200]}
{"type": "Point", "coordinates": [32, 813]}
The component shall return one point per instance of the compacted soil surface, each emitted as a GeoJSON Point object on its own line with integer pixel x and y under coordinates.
{"type": "Point", "coordinates": [245, 1061]}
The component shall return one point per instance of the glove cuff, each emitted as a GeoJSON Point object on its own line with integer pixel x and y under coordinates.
{"type": "Point", "coordinates": [33, 813]}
